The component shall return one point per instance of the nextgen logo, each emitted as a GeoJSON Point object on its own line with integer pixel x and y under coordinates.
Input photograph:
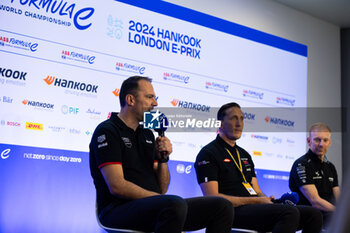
{"type": "Point", "coordinates": [176, 77]}
{"type": "Point", "coordinates": [216, 86]}
{"type": "Point", "coordinates": [71, 84]}
{"type": "Point", "coordinates": [78, 57]}
{"type": "Point", "coordinates": [279, 121]}
{"type": "Point", "coordinates": [253, 94]}
{"type": "Point", "coordinates": [130, 68]}
{"type": "Point", "coordinates": [190, 105]}
{"type": "Point", "coordinates": [285, 101]}
{"type": "Point", "coordinates": [56, 129]}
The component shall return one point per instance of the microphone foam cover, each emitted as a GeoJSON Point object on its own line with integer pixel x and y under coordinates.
{"type": "Point", "coordinates": [290, 198]}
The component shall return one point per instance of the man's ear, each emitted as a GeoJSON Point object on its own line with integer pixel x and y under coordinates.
{"type": "Point", "coordinates": [308, 140]}
{"type": "Point", "coordinates": [221, 126]}
{"type": "Point", "coordinates": [130, 99]}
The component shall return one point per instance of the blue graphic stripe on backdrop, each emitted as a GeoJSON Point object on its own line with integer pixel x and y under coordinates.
{"type": "Point", "coordinates": [218, 24]}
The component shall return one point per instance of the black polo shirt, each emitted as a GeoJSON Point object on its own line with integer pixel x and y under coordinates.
{"type": "Point", "coordinates": [309, 169]}
{"type": "Point", "coordinates": [214, 163]}
{"type": "Point", "coordinates": [115, 143]}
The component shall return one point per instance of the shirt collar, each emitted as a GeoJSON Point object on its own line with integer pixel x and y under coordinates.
{"type": "Point", "coordinates": [116, 120]}
{"type": "Point", "coordinates": [225, 144]}
{"type": "Point", "coordinates": [314, 157]}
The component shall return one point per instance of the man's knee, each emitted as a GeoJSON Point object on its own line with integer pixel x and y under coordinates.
{"type": "Point", "coordinates": [316, 215]}
{"type": "Point", "coordinates": [225, 206]}
{"type": "Point", "coordinates": [175, 206]}
{"type": "Point", "coordinates": [218, 206]}
{"type": "Point", "coordinates": [292, 213]}
{"type": "Point", "coordinates": [310, 214]}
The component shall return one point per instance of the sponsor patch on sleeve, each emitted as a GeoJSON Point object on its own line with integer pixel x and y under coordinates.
{"type": "Point", "coordinates": [204, 162]}
{"type": "Point", "coordinates": [101, 138]}
{"type": "Point", "coordinates": [102, 145]}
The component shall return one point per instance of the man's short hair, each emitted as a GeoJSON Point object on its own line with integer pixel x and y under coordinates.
{"type": "Point", "coordinates": [319, 126]}
{"type": "Point", "coordinates": [130, 86]}
{"type": "Point", "coordinates": [222, 111]}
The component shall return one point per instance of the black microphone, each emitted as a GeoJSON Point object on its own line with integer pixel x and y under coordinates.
{"type": "Point", "coordinates": [289, 198]}
{"type": "Point", "coordinates": [163, 120]}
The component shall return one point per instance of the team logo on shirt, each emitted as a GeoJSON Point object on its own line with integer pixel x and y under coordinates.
{"type": "Point", "coordinates": [101, 138]}
{"type": "Point", "coordinates": [317, 176]}
{"type": "Point", "coordinates": [127, 142]}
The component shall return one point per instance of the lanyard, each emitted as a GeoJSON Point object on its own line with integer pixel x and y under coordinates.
{"type": "Point", "coordinates": [240, 163]}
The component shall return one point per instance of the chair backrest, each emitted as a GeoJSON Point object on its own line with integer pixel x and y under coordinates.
{"type": "Point", "coordinates": [113, 230]}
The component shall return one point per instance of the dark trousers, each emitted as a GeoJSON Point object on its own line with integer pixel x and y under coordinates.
{"type": "Point", "coordinates": [278, 218]}
{"type": "Point", "coordinates": [327, 216]}
{"type": "Point", "coordinates": [171, 214]}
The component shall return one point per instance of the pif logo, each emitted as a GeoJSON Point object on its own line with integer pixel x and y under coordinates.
{"type": "Point", "coordinates": [34, 126]}
{"type": "Point", "coordinates": [69, 110]}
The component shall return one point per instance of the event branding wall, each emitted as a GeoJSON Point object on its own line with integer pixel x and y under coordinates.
{"type": "Point", "coordinates": [61, 67]}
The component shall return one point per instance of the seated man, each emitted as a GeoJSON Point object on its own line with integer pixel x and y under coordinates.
{"type": "Point", "coordinates": [130, 173]}
{"type": "Point", "coordinates": [313, 176]}
{"type": "Point", "coordinates": [226, 170]}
